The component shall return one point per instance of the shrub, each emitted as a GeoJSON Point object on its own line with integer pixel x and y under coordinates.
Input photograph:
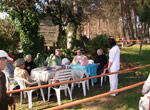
{"type": "Point", "coordinates": [67, 53]}
{"type": "Point", "coordinates": [99, 42]}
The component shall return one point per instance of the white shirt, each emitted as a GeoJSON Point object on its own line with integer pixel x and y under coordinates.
{"type": "Point", "coordinates": [114, 57]}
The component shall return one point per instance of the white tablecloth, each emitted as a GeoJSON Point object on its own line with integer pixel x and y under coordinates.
{"type": "Point", "coordinates": [42, 74]}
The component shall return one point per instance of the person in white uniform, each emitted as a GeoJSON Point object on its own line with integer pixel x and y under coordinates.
{"type": "Point", "coordinates": [114, 64]}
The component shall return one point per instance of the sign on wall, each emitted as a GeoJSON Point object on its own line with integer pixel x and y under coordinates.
{"type": "Point", "coordinates": [49, 31]}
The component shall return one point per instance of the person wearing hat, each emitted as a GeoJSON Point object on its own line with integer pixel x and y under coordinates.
{"type": "Point", "coordinates": [5, 99]}
{"type": "Point", "coordinates": [56, 59]}
{"type": "Point", "coordinates": [66, 63]}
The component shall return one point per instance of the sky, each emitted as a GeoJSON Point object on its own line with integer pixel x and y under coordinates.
{"type": "Point", "coordinates": [3, 15]}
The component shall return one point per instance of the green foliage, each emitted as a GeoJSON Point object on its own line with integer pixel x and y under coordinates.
{"type": "Point", "coordinates": [99, 42]}
{"type": "Point", "coordinates": [39, 60]}
{"type": "Point", "coordinates": [4, 43]}
{"type": "Point", "coordinates": [63, 43]}
{"type": "Point", "coordinates": [27, 21]}
{"type": "Point", "coordinates": [144, 13]}
{"type": "Point", "coordinates": [67, 53]}
{"type": "Point", "coordinates": [9, 37]}
{"type": "Point", "coordinates": [49, 59]}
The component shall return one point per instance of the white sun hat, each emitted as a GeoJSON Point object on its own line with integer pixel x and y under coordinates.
{"type": "Point", "coordinates": [4, 54]}
{"type": "Point", "coordinates": [65, 61]}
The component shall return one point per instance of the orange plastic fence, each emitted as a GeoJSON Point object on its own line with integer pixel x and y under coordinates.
{"type": "Point", "coordinates": [129, 40]}
{"type": "Point", "coordinates": [87, 99]}
{"type": "Point", "coordinates": [65, 82]}
{"type": "Point", "coordinates": [95, 97]}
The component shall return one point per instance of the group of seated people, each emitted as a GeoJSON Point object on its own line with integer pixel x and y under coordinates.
{"type": "Point", "coordinates": [26, 65]}
{"type": "Point", "coordinates": [23, 68]}
{"type": "Point", "coordinates": [101, 59]}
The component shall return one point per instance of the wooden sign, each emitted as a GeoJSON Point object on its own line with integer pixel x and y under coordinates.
{"type": "Point", "coordinates": [49, 31]}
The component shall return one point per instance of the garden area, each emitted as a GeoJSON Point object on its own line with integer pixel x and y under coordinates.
{"type": "Point", "coordinates": [41, 29]}
{"type": "Point", "coordinates": [127, 100]}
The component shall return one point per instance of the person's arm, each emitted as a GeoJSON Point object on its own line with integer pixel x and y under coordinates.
{"type": "Point", "coordinates": [74, 60]}
{"type": "Point", "coordinates": [26, 76]}
{"type": "Point", "coordinates": [111, 59]}
{"type": "Point", "coordinates": [109, 66]}
{"type": "Point", "coordinates": [54, 63]}
{"type": "Point", "coordinates": [146, 87]}
{"type": "Point", "coordinates": [4, 98]}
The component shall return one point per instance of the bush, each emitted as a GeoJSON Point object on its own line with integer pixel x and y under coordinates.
{"type": "Point", "coordinates": [99, 42]}
{"type": "Point", "coordinates": [39, 60]}
{"type": "Point", "coordinates": [67, 53]}
{"type": "Point", "coordinates": [27, 23]}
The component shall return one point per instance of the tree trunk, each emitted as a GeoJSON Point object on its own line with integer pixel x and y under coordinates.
{"type": "Point", "coordinates": [75, 9]}
{"type": "Point", "coordinates": [135, 22]}
{"type": "Point", "coordinates": [122, 20]}
{"type": "Point", "coordinates": [128, 31]}
{"type": "Point", "coordinates": [129, 19]}
{"type": "Point", "coordinates": [98, 26]}
{"type": "Point", "coordinates": [142, 2]}
{"type": "Point", "coordinates": [140, 51]}
{"type": "Point", "coordinates": [142, 37]}
{"type": "Point", "coordinates": [88, 30]}
{"type": "Point", "coordinates": [148, 30]}
{"type": "Point", "coordinates": [60, 25]}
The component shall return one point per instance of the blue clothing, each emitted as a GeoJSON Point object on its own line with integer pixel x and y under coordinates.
{"type": "Point", "coordinates": [9, 70]}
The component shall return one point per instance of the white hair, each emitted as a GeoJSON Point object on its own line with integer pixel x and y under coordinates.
{"type": "Point", "coordinates": [27, 56]}
{"type": "Point", "coordinates": [100, 50]}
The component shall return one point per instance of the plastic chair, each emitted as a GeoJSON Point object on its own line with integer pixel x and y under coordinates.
{"type": "Point", "coordinates": [103, 76]}
{"type": "Point", "coordinates": [22, 82]}
{"type": "Point", "coordinates": [78, 74]}
{"type": "Point", "coordinates": [61, 76]}
{"type": "Point", "coordinates": [10, 84]}
{"type": "Point", "coordinates": [91, 61]}
{"type": "Point", "coordinates": [105, 69]}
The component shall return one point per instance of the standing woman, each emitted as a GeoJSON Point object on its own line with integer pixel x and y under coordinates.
{"type": "Point", "coordinates": [5, 100]}
{"type": "Point", "coordinates": [114, 64]}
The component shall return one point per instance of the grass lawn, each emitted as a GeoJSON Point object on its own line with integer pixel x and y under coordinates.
{"type": "Point", "coordinates": [127, 100]}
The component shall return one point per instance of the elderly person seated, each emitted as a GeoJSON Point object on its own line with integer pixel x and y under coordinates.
{"type": "Point", "coordinates": [101, 60]}
{"type": "Point", "coordinates": [9, 69]}
{"type": "Point", "coordinates": [22, 73]}
{"type": "Point", "coordinates": [56, 59]}
{"type": "Point", "coordinates": [29, 64]}
{"type": "Point", "coordinates": [78, 57]}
